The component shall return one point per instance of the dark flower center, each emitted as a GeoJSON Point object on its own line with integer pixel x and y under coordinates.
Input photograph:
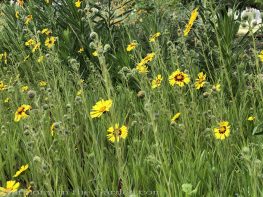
{"type": "Point", "coordinates": [21, 110]}
{"type": "Point", "coordinates": [179, 77]}
{"type": "Point", "coordinates": [118, 132]}
{"type": "Point", "coordinates": [222, 129]}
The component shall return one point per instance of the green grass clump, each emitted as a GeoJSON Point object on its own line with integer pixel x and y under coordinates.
{"type": "Point", "coordinates": [67, 148]}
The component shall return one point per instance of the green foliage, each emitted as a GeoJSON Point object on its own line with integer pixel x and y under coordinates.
{"type": "Point", "coordinates": [68, 151]}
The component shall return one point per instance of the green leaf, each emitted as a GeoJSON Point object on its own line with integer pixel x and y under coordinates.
{"type": "Point", "coordinates": [258, 130]}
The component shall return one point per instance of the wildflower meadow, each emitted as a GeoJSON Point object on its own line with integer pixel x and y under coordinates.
{"type": "Point", "coordinates": [131, 98]}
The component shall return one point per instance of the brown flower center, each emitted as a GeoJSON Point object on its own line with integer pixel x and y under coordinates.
{"type": "Point", "coordinates": [179, 77]}
{"type": "Point", "coordinates": [222, 129]}
{"type": "Point", "coordinates": [20, 110]}
{"type": "Point", "coordinates": [118, 132]}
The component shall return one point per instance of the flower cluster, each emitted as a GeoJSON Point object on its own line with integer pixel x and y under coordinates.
{"type": "Point", "coordinates": [13, 186]}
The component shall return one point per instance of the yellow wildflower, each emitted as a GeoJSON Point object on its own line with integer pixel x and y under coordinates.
{"type": "Point", "coordinates": [131, 46]}
{"type": "Point", "coordinates": [95, 54]}
{"type": "Point", "coordinates": [81, 50]}
{"type": "Point", "coordinates": [179, 78]}
{"type": "Point", "coordinates": [22, 112]}
{"type": "Point", "coordinates": [154, 37]}
{"type": "Point", "coordinates": [100, 107]}
{"type": "Point", "coordinates": [149, 57]}
{"type": "Point", "coordinates": [11, 186]}
{"type": "Point", "coordinates": [24, 88]}
{"type": "Point", "coordinates": [22, 169]}
{"type": "Point", "coordinates": [223, 131]}
{"type": "Point", "coordinates": [142, 68]}
{"type": "Point", "coordinates": [50, 41]}
{"type": "Point", "coordinates": [78, 3]}
{"type": "Point", "coordinates": [200, 81]}
{"type": "Point", "coordinates": [36, 47]}
{"type": "Point", "coordinates": [30, 42]}
{"type": "Point", "coordinates": [175, 117]}
{"type": "Point", "coordinates": [192, 19]}
{"type": "Point", "coordinates": [52, 129]}
{"type": "Point", "coordinates": [216, 87]}
{"type": "Point", "coordinates": [42, 83]}
{"type": "Point", "coordinates": [157, 81]}
{"type": "Point", "coordinates": [2, 86]}
{"type": "Point", "coordinates": [46, 31]}
{"type": "Point", "coordinates": [28, 19]}
{"type": "Point", "coordinates": [115, 133]}
{"type": "Point", "coordinates": [251, 118]}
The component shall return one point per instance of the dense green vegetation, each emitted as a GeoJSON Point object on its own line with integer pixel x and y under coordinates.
{"type": "Point", "coordinates": [184, 87]}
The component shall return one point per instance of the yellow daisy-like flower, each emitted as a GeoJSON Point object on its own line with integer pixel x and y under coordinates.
{"type": "Point", "coordinates": [142, 68]}
{"type": "Point", "coordinates": [131, 46]}
{"type": "Point", "coordinates": [100, 107]}
{"type": "Point", "coordinates": [28, 19]}
{"type": "Point", "coordinates": [191, 21]}
{"type": "Point", "coordinates": [261, 56]}
{"type": "Point", "coordinates": [17, 14]}
{"type": "Point", "coordinates": [22, 169]}
{"type": "Point", "coordinates": [200, 81]}
{"type": "Point", "coordinates": [42, 83]}
{"type": "Point", "coordinates": [175, 117]}
{"type": "Point", "coordinates": [157, 81]}
{"type": "Point", "coordinates": [22, 112]}
{"type": "Point", "coordinates": [216, 87]}
{"type": "Point", "coordinates": [81, 50]}
{"type": "Point", "coordinates": [148, 58]}
{"type": "Point", "coordinates": [115, 133]}
{"type": "Point", "coordinates": [223, 131]}
{"type": "Point", "coordinates": [178, 78]}
{"type": "Point", "coordinates": [2, 86]}
{"type": "Point", "coordinates": [36, 47]}
{"type": "Point", "coordinates": [251, 118]}
{"type": "Point", "coordinates": [11, 186]}
{"type": "Point", "coordinates": [49, 42]}
{"type": "Point", "coordinates": [154, 37]}
{"type": "Point", "coordinates": [24, 88]}
{"type": "Point", "coordinates": [95, 54]}
{"type": "Point", "coordinates": [78, 4]}
{"type": "Point", "coordinates": [46, 31]}
{"type": "Point", "coordinates": [30, 42]}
